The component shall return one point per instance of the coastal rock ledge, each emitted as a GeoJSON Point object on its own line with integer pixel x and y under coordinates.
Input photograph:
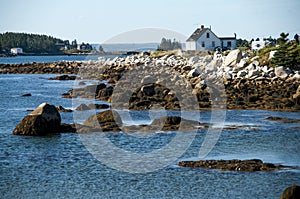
{"type": "Point", "coordinates": [233, 165]}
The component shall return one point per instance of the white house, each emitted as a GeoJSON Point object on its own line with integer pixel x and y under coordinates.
{"type": "Point", "coordinates": [257, 45]}
{"type": "Point", "coordinates": [16, 51]}
{"type": "Point", "coordinates": [204, 39]}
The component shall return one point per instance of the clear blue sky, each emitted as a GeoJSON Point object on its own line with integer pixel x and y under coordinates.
{"type": "Point", "coordinates": [96, 21]}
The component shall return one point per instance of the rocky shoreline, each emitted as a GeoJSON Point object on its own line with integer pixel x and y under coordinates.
{"type": "Point", "coordinates": [217, 81]}
{"type": "Point", "coordinates": [61, 67]}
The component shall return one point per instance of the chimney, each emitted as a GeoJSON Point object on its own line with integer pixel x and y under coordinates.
{"type": "Point", "coordinates": [202, 27]}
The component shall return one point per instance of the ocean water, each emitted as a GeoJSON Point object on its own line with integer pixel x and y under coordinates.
{"type": "Point", "coordinates": [61, 166]}
{"type": "Point", "coordinates": [49, 59]}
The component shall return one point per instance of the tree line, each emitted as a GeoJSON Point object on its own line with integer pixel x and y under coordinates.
{"type": "Point", "coordinates": [39, 44]}
{"type": "Point", "coordinates": [30, 43]}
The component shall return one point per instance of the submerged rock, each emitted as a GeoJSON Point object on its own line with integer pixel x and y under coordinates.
{"type": "Point", "coordinates": [168, 123]}
{"type": "Point", "coordinates": [105, 121]}
{"type": "Point", "coordinates": [98, 106]}
{"type": "Point", "coordinates": [63, 77]}
{"type": "Point", "coordinates": [83, 107]}
{"type": "Point", "coordinates": [26, 95]}
{"type": "Point", "coordinates": [233, 165]}
{"type": "Point", "coordinates": [44, 120]}
{"type": "Point", "coordinates": [283, 119]}
{"type": "Point", "coordinates": [62, 109]}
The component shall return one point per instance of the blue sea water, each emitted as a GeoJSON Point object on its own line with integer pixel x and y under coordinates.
{"type": "Point", "coordinates": [60, 166]}
{"type": "Point", "coordinates": [49, 59]}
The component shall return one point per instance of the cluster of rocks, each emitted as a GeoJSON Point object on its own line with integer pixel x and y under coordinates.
{"type": "Point", "coordinates": [110, 121]}
{"type": "Point", "coordinates": [46, 120]}
{"type": "Point", "coordinates": [233, 81]}
{"type": "Point", "coordinates": [144, 98]}
{"type": "Point", "coordinates": [233, 165]}
{"type": "Point", "coordinates": [61, 67]}
{"type": "Point", "coordinates": [230, 78]}
{"type": "Point", "coordinates": [101, 91]}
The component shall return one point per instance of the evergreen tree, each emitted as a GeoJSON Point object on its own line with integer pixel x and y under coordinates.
{"type": "Point", "coordinates": [283, 38]}
{"type": "Point", "coordinates": [101, 49]}
{"type": "Point", "coordinates": [296, 37]}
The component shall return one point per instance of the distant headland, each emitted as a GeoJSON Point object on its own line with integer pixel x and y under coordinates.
{"type": "Point", "coordinates": [12, 44]}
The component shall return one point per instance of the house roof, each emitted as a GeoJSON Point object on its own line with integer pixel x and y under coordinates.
{"type": "Point", "coordinates": [227, 38]}
{"type": "Point", "coordinates": [200, 31]}
{"type": "Point", "coordinates": [197, 34]}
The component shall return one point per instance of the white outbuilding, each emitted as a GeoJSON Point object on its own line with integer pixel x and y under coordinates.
{"type": "Point", "coordinates": [257, 45]}
{"type": "Point", "coordinates": [16, 51]}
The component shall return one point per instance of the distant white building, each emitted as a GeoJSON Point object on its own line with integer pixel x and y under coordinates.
{"type": "Point", "coordinates": [205, 39]}
{"type": "Point", "coordinates": [257, 45]}
{"type": "Point", "coordinates": [16, 51]}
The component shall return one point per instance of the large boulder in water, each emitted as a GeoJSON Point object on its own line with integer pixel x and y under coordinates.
{"type": "Point", "coordinates": [44, 120]}
{"type": "Point", "coordinates": [292, 192]}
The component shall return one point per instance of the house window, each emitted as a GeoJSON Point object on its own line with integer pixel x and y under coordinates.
{"type": "Point", "coordinates": [229, 44]}
{"type": "Point", "coordinates": [207, 35]}
{"type": "Point", "coordinates": [203, 44]}
{"type": "Point", "coordinates": [213, 44]}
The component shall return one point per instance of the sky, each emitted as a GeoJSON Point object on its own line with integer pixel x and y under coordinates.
{"type": "Point", "coordinates": [99, 21]}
